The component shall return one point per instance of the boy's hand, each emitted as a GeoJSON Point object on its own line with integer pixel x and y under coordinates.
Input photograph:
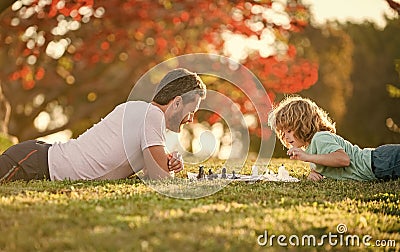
{"type": "Point", "coordinates": [175, 162]}
{"type": "Point", "coordinates": [297, 154]}
{"type": "Point", "coordinates": [315, 176]}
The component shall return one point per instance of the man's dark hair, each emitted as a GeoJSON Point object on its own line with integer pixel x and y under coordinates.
{"type": "Point", "coordinates": [179, 82]}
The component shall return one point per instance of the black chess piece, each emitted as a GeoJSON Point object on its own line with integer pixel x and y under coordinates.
{"type": "Point", "coordinates": [211, 175]}
{"type": "Point", "coordinates": [223, 174]}
{"type": "Point", "coordinates": [234, 175]}
{"type": "Point", "coordinates": [201, 172]}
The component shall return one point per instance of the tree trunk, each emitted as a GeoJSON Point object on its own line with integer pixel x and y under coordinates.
{"type": "Point", "coordinates": [5, 111]}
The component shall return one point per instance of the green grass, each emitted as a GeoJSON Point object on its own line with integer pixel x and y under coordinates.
{"type": "Point", "coordinates": [5, 142]}
{"type": "Point", "coordinates": [127, 215]}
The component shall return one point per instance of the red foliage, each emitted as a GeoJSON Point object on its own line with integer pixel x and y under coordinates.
{"type": "Point", "coordinates": [67, 7]}
{"type": "Point", "coordinates": [157, 30]}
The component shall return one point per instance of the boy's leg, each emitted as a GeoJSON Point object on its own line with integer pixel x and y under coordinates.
{"type": "Point", "coordinates": [26, 161]}
{"type": "Point", "coordinates": [386, 161]}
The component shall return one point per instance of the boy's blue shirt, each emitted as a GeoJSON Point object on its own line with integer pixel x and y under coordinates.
{"type": "Point", "coordinates": [325, 142]}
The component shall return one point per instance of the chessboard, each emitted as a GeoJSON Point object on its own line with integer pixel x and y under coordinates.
{"type": "Point", "coordinates": [282, 175]}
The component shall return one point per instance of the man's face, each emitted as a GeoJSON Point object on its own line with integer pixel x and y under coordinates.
{"type": "Point", "coordinates": [182, 113]}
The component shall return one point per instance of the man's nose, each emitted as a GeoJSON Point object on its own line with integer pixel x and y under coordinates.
{"type": "Point", "coordinates": [191, 116]}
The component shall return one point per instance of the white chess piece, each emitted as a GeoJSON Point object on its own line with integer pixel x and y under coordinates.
{"type": "Point", "coordinates": [254, 171]}
{"type": "Point", "coordinates": [282, 172]}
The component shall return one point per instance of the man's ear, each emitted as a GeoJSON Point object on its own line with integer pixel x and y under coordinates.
{"type": "Point", "coordinates": [177, 102]}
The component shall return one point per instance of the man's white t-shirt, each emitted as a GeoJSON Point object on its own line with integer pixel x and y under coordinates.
{"type": "Point", "coordinates": [112, 148]}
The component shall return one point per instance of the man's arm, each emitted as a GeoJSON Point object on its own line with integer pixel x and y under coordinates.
{"type": "Point", "coordinates": [155, 162]}
{"type": "Point", "coordinates": [175, 162]}
{"type": "Point", "coordinates": [158, 164]}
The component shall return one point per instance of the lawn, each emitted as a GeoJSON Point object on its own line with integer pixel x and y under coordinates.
{"type": "Point", "coordinates": [127, 215]}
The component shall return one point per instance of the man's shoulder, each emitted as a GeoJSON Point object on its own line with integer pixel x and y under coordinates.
{"type": "Point", "coordinates": [135, 107]}
{"type": "Point", "coordinates": [134, 103]}
{"type": "Point", "coordinates": [142, 105]}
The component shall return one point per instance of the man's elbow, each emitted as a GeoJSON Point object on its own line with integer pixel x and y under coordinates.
{"type": "Point", "coordinates": [157, 174]}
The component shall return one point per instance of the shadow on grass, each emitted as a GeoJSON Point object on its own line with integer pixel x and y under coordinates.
{"type": "Point", "coordinates": [128, 215]}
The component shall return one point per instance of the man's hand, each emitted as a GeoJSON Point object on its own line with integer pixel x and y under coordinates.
{"type": "Point", "coordinates": [315, 176]}
{"type": "Point", "coordinates": [175, 162]}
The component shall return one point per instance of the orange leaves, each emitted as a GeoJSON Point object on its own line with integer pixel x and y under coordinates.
{"type": "Point", "coordinates": [28, 76]}
{"type": "Point", "coordinates": [105, 45]}
{"type": "Point", "coordinates": [185, 16]}
{"type": "Point", "coordinates": [156, 30]}
{"type": "Point", "coordinates": [176, 20]}
{"type": "Point", "coordinates": [67, 8]}
{"type": "Point", "coordinates": [39, 73]}
{"type": "Point", "coordinates": [161, 44]}
{"type": "Point", "coordinates": [291, 52]}
{"type": "Point", "coordinates": [287, 76]}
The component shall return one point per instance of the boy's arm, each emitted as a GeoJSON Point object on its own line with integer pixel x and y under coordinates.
{"type": "Point", "coordinates": [337, 158]}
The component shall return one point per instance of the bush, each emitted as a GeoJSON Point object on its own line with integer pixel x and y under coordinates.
{"type": "Point", "coordinates": [5, 142]}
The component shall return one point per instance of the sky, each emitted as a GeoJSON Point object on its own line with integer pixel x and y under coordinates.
{"type": "Point", "coordinates": [350, 10]}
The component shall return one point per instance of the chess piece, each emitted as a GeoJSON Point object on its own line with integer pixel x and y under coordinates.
{"type": "Point", "coordinates": [234, 175]}
{"type": "Point", "coordinates": [223, 174]}
{"type": "Point", "coordinates": [254, 171]}
{"type": "Point", "coordinates": [211, 175]}
{"type": "Point", "coordinates": [282, 172]}
{"type": "Point", "coordinates": [201, 172]}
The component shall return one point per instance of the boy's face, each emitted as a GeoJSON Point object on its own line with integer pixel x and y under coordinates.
{"type": "Point", "coordinates": [291, 140]}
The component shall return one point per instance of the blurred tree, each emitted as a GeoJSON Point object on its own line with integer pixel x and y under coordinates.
{"type": "Point", "coordinates": [370, 106]}
{"type": "Point", "coordinates": [5, 110]}
{"type": "Point", "coordinates": [5, 107]}
{"type": "Point", "coordinates": [4, 4]}
{"type": "Point", "coordinates": [394, 92]}
{"type": "Point", "coordinates": [68, 62]}
{"type": "Point", "coordinates": [332, 48]}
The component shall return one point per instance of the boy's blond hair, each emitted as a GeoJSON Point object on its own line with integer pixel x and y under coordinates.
{"type": "Point", "coordinates": [302, 116]}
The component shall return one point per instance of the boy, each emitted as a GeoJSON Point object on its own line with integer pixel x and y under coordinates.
{"type": "Point", "coordinates": [310, 135]}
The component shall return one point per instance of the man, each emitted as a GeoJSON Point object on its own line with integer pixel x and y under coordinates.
{"type": "Point", "coordinates": [129, 139]}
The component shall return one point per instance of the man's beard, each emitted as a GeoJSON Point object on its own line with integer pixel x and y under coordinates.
{"type": "Point", "coordinates": [176, 122]}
